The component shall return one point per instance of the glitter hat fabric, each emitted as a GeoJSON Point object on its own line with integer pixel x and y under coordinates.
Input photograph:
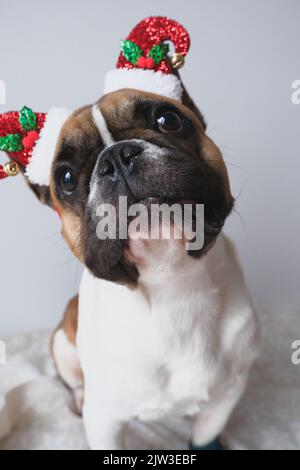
{"type": "Point", "coordinates": [144, 62]}
{"type": "Point", "coordinates": [29, 139]}
{"type": "Point", "coordinates": [18, 133]}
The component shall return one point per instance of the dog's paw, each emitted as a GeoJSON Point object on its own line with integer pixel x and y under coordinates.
{"type": "Point", "coordinates": [217, 444]}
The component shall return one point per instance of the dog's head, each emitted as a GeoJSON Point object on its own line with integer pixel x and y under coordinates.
{"type": "Point", "coordinates": [148, 146]}
{"type": "Point", "coordinates": [143, 146]}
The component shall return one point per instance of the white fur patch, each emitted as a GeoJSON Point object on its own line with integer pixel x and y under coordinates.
{"type": "Point", "coordinates": [39, 168]}
{"type": "Point", "coordinates": [159, 349]}
{"type": "Point", "coordinates": [101, 125]}
{"type": "Point", "coordinates": [66, 359]}
{"type": "Point", "coordinates": [146, 80]}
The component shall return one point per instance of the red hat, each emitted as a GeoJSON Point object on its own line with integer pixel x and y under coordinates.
{"type": "Point", "coordinates": [144, 63]}
{"type": "Point", "coordinates": [29, 139]}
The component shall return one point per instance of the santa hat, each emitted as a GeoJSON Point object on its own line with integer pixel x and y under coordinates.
{"type": "Point", "coordinates": [144, 63]}
{"type": "Point", "coordinates": [30, 139]}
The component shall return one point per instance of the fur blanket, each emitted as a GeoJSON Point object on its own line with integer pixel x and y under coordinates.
{"type": "Point", "coordinates": [36, 410]}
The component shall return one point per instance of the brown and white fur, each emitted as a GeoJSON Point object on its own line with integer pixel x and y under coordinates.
{"type": "Point", "coordinates": [157, 330]}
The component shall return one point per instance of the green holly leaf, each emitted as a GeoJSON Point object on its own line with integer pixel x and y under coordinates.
{"type": "Point", "coordinates": [27, 119]}
{"type": "Point", "coordinates": [11, 143]}
{"type": "Point", "coordinates": [159, 52]}
{"type": "Point", "coordinates": [131, 51]}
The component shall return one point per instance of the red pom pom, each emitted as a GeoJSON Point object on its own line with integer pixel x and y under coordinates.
{"type": "Point", "coordinates": [141, 62]}
{"type": "Point", "coordinates": [150, 64]}
{"type": "Point", "coordinates": [145, 63]}
{"type": "Point", "coordinates": [30, 139]}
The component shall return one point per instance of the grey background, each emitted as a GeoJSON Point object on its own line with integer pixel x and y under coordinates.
{"type": "Point", "coordinates": [244, 57]}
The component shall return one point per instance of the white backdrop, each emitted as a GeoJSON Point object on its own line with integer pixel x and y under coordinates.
{"type": "Point", "coordinates": [243, 60]}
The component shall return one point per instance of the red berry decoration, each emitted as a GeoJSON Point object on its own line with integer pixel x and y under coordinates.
{"type": "Point", "coordinates": [30, 139]}
{"type": "Point", "coordinates": [141, 62]}
{"type": "Point", "coordinates": [150, 64]}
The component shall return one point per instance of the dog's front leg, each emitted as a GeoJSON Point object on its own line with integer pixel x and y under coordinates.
{"type": "Point", "coordinates": [103, 430]}
{"type": "Point", "coordinates": [209, 424]}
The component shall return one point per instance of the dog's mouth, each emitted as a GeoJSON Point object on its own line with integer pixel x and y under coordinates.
{"type": "Point", "coordinates": [110, 260]}
{"type": "Point", "coordinates": [148, 200]}
{"type": "Point", "coordinates": [211, 226]}
{"type": "Point", "coordinates": [155, 199]}
{"type": "Point", "coordinates": [215, 211]}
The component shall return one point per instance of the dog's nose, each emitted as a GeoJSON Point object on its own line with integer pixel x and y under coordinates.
{"type": "Point", "coordinates": [118, 157]}
{"type": "Point", "coordinates": [128, 151]}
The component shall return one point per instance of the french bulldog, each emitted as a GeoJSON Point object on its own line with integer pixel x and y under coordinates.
{"type": "Point", "coordinates": [162, 325]}
{"type": "Point", "coordinates": [156, 329]}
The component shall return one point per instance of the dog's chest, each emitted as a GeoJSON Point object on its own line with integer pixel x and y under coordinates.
{"type": "Point", "coordinates": [155, 356]}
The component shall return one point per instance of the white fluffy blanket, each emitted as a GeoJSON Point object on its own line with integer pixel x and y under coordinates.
{"type": "Point", "coordinates": [36, 410]}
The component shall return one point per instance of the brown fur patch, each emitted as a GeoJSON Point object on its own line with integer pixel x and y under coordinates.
{"type": "Point", "coordinates": [71, 226]}
{"type": "Point", "coordinates": [121, 99]}
{"type": "Point", "coordinates": [214, 156]}
{"type": "Point", "coordinates": [69, 322]}
{"type": "Point", "coordinates": [78, 124]}
{"type": "Point", "coordinates": [68, 365]}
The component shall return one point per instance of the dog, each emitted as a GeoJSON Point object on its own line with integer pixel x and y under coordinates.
{"type": "Point", "coordinates": [161, 326]}
{"type": "Point", "coordinates": [156, 330]}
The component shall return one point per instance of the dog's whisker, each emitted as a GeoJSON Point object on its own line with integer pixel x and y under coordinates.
{"type": "Point", "coordinates": [242, 220]}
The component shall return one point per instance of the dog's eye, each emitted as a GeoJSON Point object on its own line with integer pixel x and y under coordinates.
{"type": "Point", "coordinates": [168, 121]}
{"type": "Point", "coordinates": [67, 180]}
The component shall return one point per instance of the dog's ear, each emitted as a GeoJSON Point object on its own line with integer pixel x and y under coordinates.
{"type": "Point", "coordinates": [42, 193]}
{"type": "Point", "coordinates": [189, 103]}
